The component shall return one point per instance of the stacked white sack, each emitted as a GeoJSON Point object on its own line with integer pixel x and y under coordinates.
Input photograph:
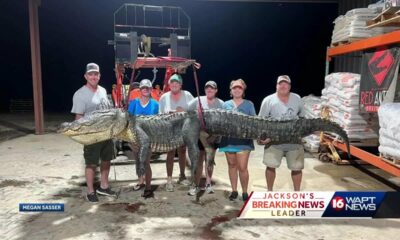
{"type": "Point", "coordinates": [353, 25]}
{"type": "Point", "coordinates": [311, 109]}
{"type": "Point", "coordinates": [312, 106]}
{"type": "Point", "coordinates": [389, 132]}
{"type": "Point", "coordinates": [341, 95]}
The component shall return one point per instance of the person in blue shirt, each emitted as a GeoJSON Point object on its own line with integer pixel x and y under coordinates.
{"type": "Point", "coordinates": [237, 151]}
{"type": "Point", "coordinates": [144, 105]}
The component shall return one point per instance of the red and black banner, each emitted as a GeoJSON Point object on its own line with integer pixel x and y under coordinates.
{"type": "Point", "coordinates": [378, 69]}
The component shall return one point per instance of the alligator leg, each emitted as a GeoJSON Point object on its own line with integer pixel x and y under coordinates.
{"type": "Point", "coordinates": [208, 142]}
{"type": "Point", "coordinates": [191, 134]}
{"type": "Point", "coordinates": [143, 154]}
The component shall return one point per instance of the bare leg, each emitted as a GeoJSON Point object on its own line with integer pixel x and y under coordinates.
{"type": "Point", "coordinates": [296, 178]}
{"type": "Point", "coordinates": [104, 172]}
{"type": "Point", "coordinates": [89, 174]}
{"type": "Point", "coordinates": [182, 160]}
{"type": "Point", "coordinates": [232, 170]}
{"type": "Point", "coordinates": [270, 177]}
{"type": "Point", "coordinates": [141, 178]}
{"type": "Point", "coordinates": [170, 164]}
{"type": "Point", "coordinates": [242, 163]}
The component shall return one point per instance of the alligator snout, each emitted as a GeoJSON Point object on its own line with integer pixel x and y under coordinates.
{"type": "Point", "coordinates": [63, 126]}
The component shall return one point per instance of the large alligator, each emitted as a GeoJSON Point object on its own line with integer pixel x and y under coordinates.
{"type": "Point", "coordinates": [167, 132]}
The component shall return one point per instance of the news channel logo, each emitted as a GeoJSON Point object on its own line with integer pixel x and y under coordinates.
{"type": "Point", "coordinates": [362, 205]}
{"type": "Point", "coordinates": [266, 205]}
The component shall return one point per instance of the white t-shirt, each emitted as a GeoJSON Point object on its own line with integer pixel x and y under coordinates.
{"type": "Point", "coordinates": [166, 104]}
{"type": "Point", "coordinates": [272, 107]}
{"type": "Point", "coordinates": [86, 101]}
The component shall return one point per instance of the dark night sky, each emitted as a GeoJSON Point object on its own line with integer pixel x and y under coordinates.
{"type": "Point", "coordinates": [253, 41]}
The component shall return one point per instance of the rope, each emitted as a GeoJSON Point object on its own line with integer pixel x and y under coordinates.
{"type": "Point", "coordinates": [201, 115]}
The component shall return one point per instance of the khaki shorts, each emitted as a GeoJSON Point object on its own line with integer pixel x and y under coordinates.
{"type": "Point", "coordinates": [294, 158]}
{"type": "Point", "coordinates": [101, 150]}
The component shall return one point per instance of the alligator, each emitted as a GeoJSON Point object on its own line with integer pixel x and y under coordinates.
{"type": "Point", "coordinates": [166, 132]}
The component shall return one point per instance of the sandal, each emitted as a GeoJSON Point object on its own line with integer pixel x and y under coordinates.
{"type": "Point", "coordinates": [148, 193]}
{"type": "Point", "coordinates": [138, 187]}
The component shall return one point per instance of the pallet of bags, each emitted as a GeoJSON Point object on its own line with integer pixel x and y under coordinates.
{"type": "Point", "coordinates": [353, 25]}
{"type": "Point", "coordinates": [341, 95]}
{"type": "Point", "coordinates": [389, 131]}
{"type": "Point", "coordinates": [311, 109]}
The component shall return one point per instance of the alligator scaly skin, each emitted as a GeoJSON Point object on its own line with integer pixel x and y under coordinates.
{"type": "Point", "coordinates": [167, 132]}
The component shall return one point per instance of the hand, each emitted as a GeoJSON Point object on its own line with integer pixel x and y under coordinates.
{"type": "Point", "coordinates": [135, 148]}
{"type": "Point", "coordinates": [197, 65]}
{"type": "Point", "coordinates": [263, 142]}
{"type": "Point", "coordinates": [180, 109]}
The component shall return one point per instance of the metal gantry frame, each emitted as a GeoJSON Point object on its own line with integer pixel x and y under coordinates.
{"type": "Point", "coordinates": [373, 42]}
{"type": "Point", "coordinates": [135, 33]}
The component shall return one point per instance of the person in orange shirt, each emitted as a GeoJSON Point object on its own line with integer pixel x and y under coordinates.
{"type": "Point", "coordinates": [135, 92]}
{"type": "Point", "coordinates": [156, 93]}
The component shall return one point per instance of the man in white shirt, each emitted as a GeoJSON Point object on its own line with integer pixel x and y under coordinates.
{"type": "Point", "coordinates": [282, 105]}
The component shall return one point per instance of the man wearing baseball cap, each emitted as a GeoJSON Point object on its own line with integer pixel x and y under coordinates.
{"type": "Point", "coordinates": [209, 101]}
{"type": "Point", "coordinates": [176, 100]}
{"type": "Point", "coordinates": [88, 98]}
{"type": "Point", "coordinates": [282, 105]}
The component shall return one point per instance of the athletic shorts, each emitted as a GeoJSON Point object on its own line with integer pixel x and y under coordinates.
{"type": "Point", "coordinates": [103, 151]}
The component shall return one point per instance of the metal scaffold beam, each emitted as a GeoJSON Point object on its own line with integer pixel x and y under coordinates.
{"type": "Point", "coordinates": [36, 65]}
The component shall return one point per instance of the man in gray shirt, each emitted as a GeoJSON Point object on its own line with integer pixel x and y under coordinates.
{"type": "Point", "coordinates": [88, 98]}
{"type": "Point", "coordinates": [282, 105]}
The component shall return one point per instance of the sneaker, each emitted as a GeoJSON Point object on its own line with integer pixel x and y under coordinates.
{"type": "Point", "coordinates": [209, 189]}
{"type": "Point", "coordinates": [106, 192]}
{"type": "Point", "coordinates": [193, 190]}
{"type": "Point", "coordinates": [245, 196]}
{"type": "Point", "coordinates": [92, 197]}
{"type": "Point", "coordinates": [138, 186]}
{"type": "Point", "coordinates": [148, 193]}
{"type": "Point", "coordinates": [183, 180]}
{"type": "Point", "coordinates": [169, 187]}
{"type": "Point", "coordinates": [233, 195]}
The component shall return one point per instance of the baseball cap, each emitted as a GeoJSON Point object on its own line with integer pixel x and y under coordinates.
{"type": "Point", "coordinates": [92, 67]}
{"type": "Point", "coordinates": [211, 84]}
{"type": "Point", "coordinates": [145, 83]}
{"type": "Point", "coordinates": [176, 78]}
{"type": "Point", "coordinates": [285, 78]}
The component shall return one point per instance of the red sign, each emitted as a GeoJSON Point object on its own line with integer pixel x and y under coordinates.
{"type": "Point", "coordinates": [380, 64]}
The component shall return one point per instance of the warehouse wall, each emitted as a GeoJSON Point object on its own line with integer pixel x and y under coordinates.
{"type": "Point", "coordinates": [349, 62]}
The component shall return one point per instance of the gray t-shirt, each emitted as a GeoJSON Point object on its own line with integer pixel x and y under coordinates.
{"type": "Point", "coordinates": [86, 101]}
{"type": "Point", "coordinates": [272, 107]}
{"type": "Point", "coordinates": [166, 104]}
{"type": "Point", "coordinates": [204, 103]}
